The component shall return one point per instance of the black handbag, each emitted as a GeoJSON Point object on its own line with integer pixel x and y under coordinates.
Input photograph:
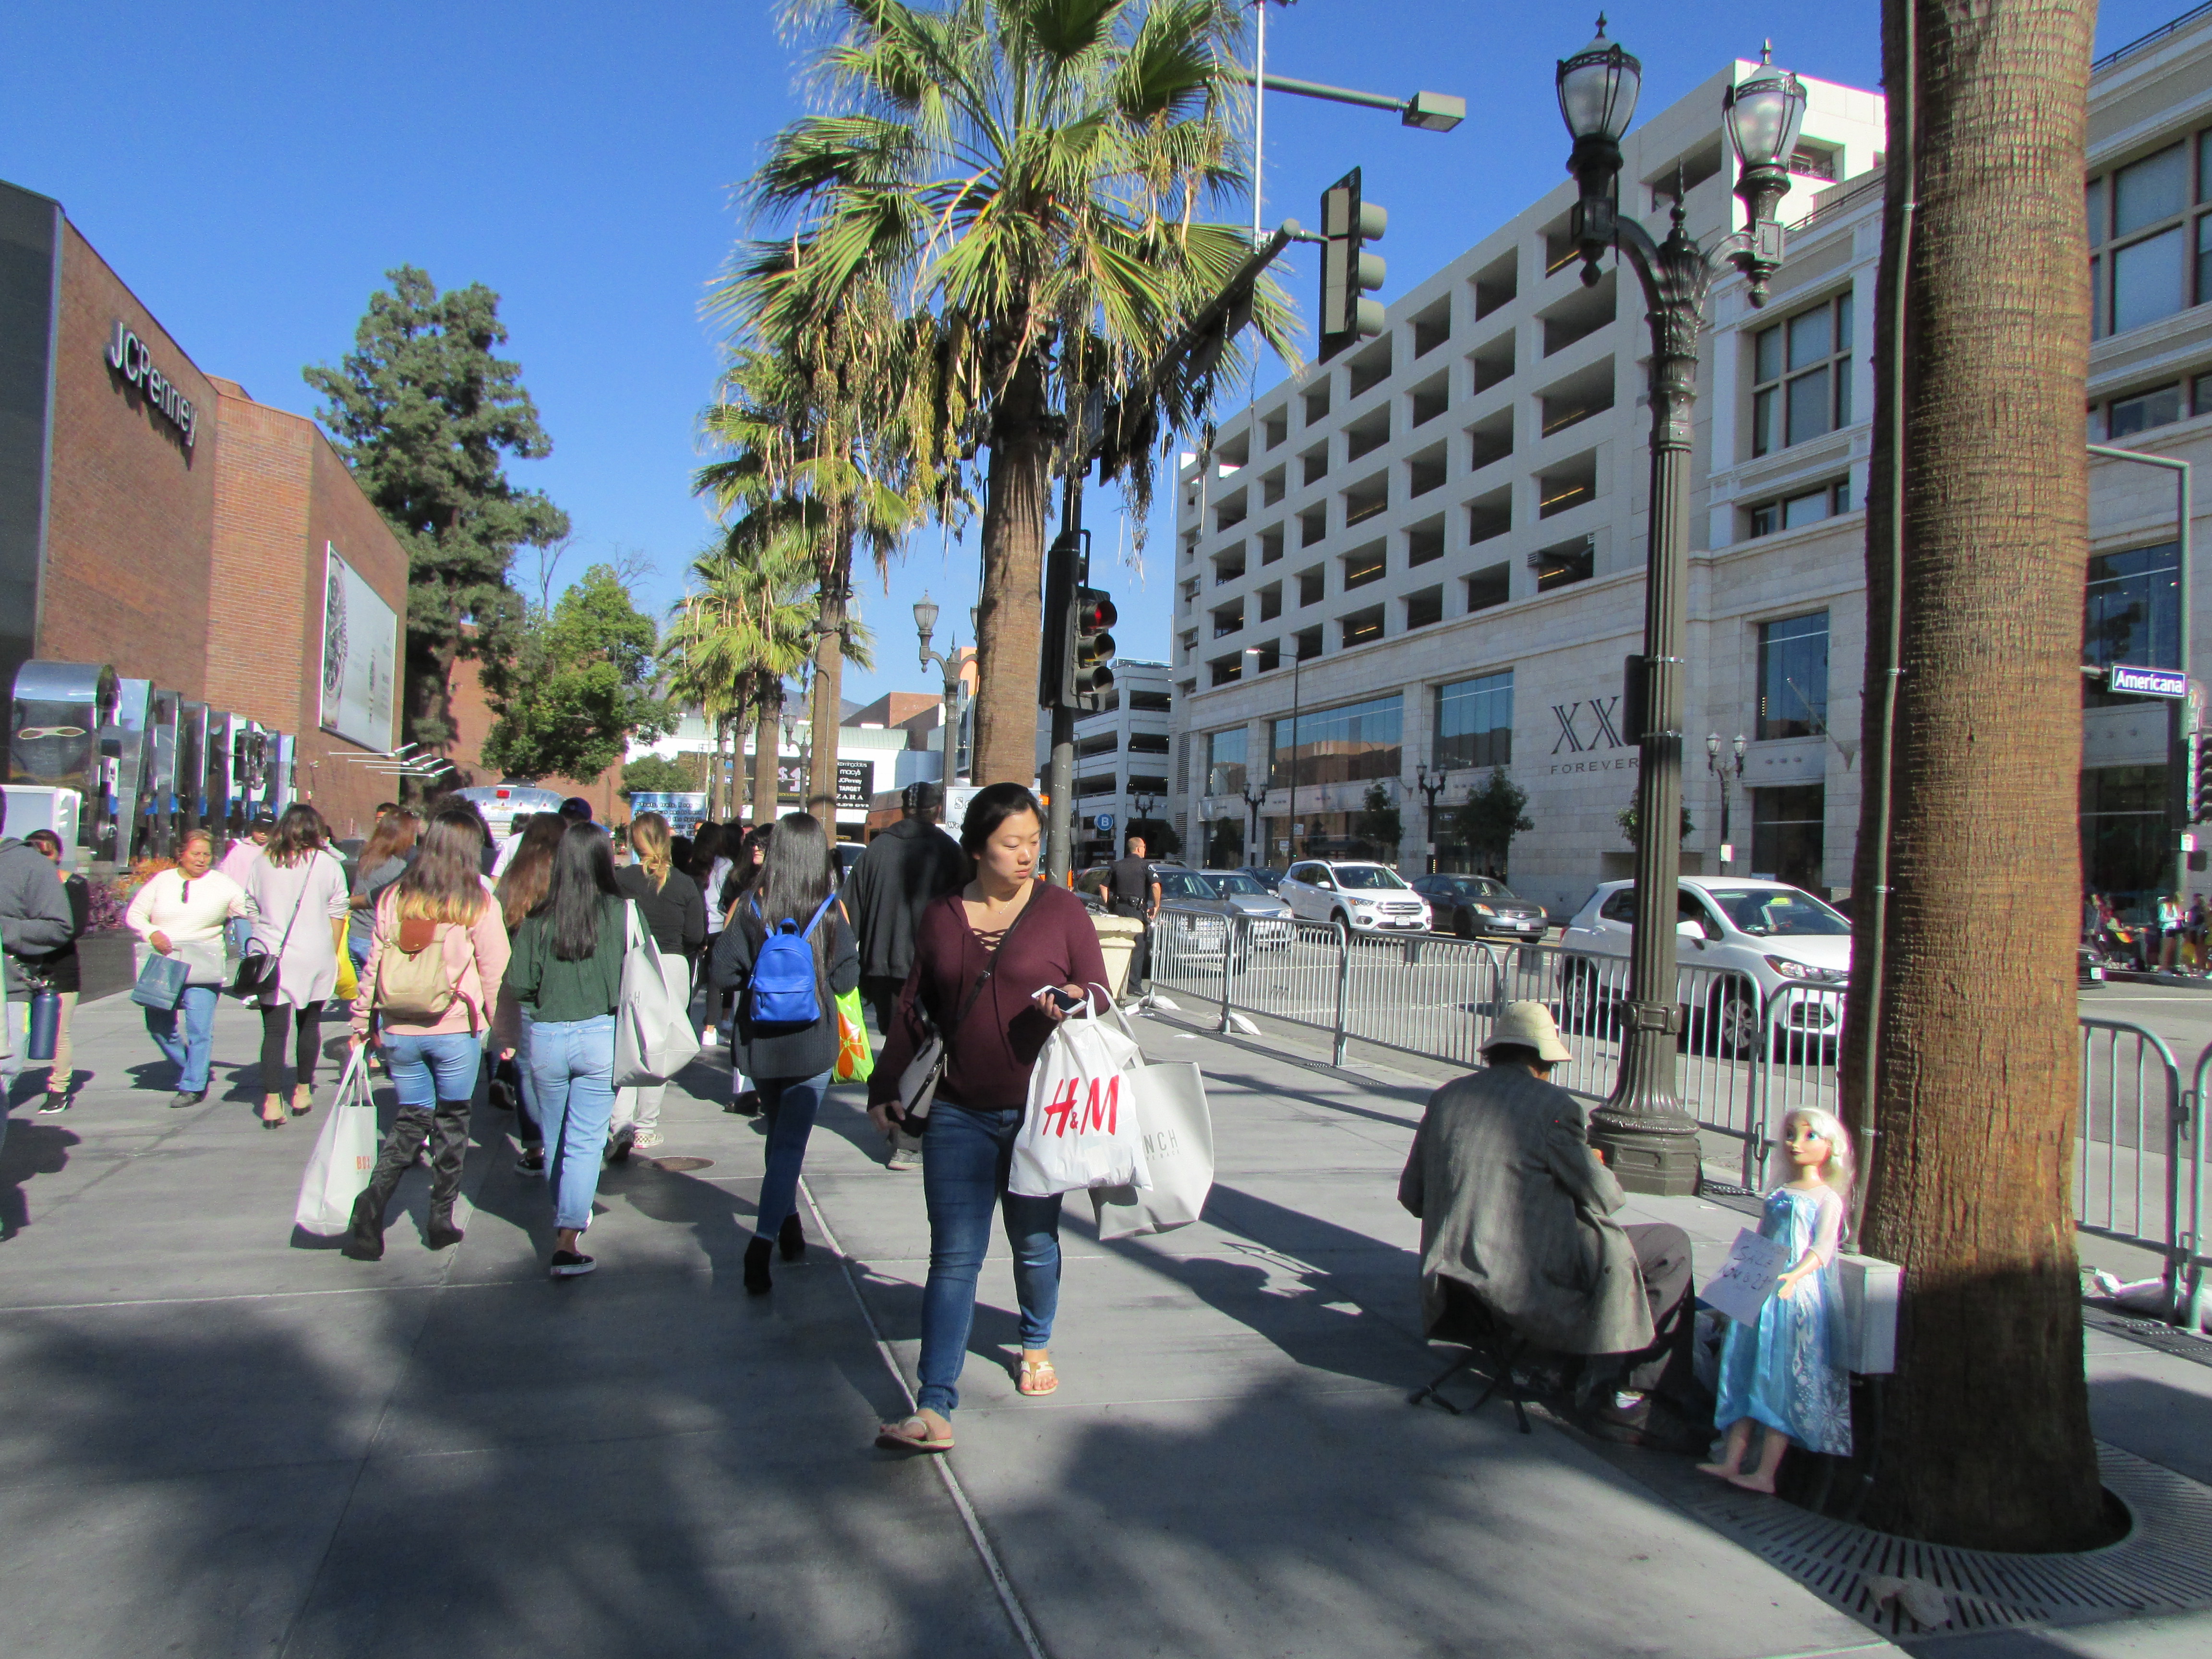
{"type": "Point", "coordinates": [260, 970]}
{"type": "Point", "coordinates": [917, 1084]}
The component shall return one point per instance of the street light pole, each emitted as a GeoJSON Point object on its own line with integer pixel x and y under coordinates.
{"type": "Point", "coordinates": [1649, 1141]}
{"type": "Point", "coordinates": [925, 623]}
{"type": "Point", "coordinates": [1723, 770]}
{"type": "Point", "coordinates": [1254, 800]}
{"type": "Point", "coordinates": [1430, 790]}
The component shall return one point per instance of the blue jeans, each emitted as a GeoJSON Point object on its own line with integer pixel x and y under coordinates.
{"type": "Point", "coordinates": [789, 1104]}
{"type": "Point", "coordinates": [425, 1070]}
{"type": "Point", "coordinates": [967, 1152]}
{"type": "Point", "coordinates": [192, 1054]}
{"type": "Point", "coordinates": [572, 1064]}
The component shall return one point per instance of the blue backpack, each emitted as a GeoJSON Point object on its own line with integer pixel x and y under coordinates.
{"type": "Point", "coordinates": [783, 984]}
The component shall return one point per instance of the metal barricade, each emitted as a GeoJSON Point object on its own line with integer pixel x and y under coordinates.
{"type": "Point", "coordinates": [2129, 1144]}
{"type": "Point", "coordinates": [1799, 1064]}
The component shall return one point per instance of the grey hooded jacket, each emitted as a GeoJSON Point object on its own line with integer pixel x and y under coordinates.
{"type": "Point", "coordinates": [35, 912]}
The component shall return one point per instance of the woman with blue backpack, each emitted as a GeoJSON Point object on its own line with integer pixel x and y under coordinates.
{"type": "Point", "coordinates": [786, 957]}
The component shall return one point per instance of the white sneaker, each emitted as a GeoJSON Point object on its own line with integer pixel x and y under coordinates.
{"type": "Point", "coordinates": [903, 1158]}
{"type": "Point", "coordinates": [707, 1036]}
{"type": "Point", "coordinates": [645, 1140]}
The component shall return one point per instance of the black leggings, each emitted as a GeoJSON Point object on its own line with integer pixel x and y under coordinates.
{"type": "Point", "coordinates": [308, 1038]}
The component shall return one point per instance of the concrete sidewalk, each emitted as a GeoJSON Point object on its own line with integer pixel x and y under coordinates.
{"type": "Point", "coordinates": [217, 1442]}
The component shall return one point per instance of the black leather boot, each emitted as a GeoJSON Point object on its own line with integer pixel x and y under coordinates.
{"type": "Point", "coordinates": [790, 1238]}
{"type": "Point", "coordinates": [449, 1149]}
{"type": "Point", "coordinates": [365, 1237]}
{"type": "Point", "coordinates": [758, 1281]}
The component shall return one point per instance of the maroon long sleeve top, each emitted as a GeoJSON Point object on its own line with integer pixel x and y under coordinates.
{"type": "Point", "coordinates": [989, 1058]}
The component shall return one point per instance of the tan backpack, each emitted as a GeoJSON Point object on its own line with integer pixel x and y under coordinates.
{"type": "Point", "coordinates": [413, 986]}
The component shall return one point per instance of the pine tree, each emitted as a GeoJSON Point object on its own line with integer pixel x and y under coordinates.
{"type": "Point", "coordinates": [426, 416]}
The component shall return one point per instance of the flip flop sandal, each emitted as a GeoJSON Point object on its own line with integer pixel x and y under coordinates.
{"type": "Point", "coordinates": [911, 1435]}
{"type": "Point", "coordinates": [1035, 1377]}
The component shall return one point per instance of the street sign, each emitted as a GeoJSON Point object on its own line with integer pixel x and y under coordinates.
{"type": "Point", "coordinates": [2147, 682]}
{"type": "Point", "coordinates": [1104, 821]}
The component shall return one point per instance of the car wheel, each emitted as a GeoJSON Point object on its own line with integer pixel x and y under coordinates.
{"type": "Point", "coordinates": [1463, 923]}
{"type": "Point", "coordinates": [1735, 1025]}
{"type": "Point", "coordinates": [1342, 922]}
{"type": "Point", "coordinates": [1580, 1003]}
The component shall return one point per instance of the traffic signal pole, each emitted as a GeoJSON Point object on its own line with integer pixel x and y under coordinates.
{"type": "Point", "coordinates": [1060, 578]}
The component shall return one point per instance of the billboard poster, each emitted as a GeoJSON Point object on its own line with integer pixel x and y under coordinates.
{"type": "Point", "coordinates": [856, 782]}
{"type": "Point", "coordinates": [361, 653]}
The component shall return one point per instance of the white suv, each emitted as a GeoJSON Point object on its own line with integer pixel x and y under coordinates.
{"type": "Point", "coordinates": [1777, 935]}
{"type": "Point", "coordinates": [1366, 898]}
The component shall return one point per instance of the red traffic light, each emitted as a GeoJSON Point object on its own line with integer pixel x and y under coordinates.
{"type": "Point", "coordinates": [1094, 614]}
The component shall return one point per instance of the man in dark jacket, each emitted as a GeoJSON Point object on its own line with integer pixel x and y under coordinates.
{"type": "Point", "coordinates": [35, 918]}
{"type": "Point", "coordinates": [904, 871]}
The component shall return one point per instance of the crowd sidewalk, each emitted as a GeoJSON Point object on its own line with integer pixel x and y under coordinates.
{"type": "Point", "coordinates": [216, 1441]}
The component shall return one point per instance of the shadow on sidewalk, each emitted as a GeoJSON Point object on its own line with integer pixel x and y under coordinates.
{"type": "Point", "coordinates": [35, 1147]}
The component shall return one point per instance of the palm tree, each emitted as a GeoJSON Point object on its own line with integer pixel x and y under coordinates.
{"type": "Point", "coordinates": [1030, 171]}
{"type": "Point", "coordinates": [747, 625]}
{"type": "Point", "coordinates": [1986, 1439]}
{"type": "Point", "coordinates": [814, 436]}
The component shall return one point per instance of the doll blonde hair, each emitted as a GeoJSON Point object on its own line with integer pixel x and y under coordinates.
{"type": "Point", "coordinates": [1837, 1171]}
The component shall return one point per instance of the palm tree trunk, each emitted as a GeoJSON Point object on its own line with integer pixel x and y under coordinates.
{"type": "Point", "coordinates": [1986, 1439]}
{"type": "Point", "coordinates": [828, 690]}
{"type": "Point", "coordinates": [766, 723]}
{"type": "Point", "coordinates": [1011, 622]}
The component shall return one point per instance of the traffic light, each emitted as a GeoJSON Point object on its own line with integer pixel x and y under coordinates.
{"type": "Point", "coordinates": [1347, 271]}
{"type": "Point", "coordinates": [1089, 649]}
{"type": "Point", "coordinates": [2200, 776]}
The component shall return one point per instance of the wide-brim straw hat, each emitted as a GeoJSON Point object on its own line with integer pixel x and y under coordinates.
{"type": "Point", "coordinates": [1528, 1025]}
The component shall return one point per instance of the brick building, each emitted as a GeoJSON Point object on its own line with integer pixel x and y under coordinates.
{"type": "Point", "coordinates": [157, 519]}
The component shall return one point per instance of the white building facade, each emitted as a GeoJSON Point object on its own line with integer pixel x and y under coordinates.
{"type": "Point", "coordinates": [1122, 762]}
{"type": "Point", "coordinates": [1447, 522]}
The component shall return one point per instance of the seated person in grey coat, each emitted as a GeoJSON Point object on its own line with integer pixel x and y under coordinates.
{"type": "Point", "coordinates": [1516, 1210]}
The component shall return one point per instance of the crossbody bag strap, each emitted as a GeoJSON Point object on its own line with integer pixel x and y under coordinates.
{"type": "Point", "coordinates": [975, 991]}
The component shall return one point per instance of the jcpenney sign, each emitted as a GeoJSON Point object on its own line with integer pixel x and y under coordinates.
{"type": "Point", "coordinates": [127, 355]}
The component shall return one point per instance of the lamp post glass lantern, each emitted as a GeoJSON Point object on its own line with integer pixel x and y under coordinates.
{"type": "Point", "coordinates": [948, 663]}
{"type": "Point", "coordinates": [1649, 1142]}
{"type": "Point", "coordinates": [1723, 770]}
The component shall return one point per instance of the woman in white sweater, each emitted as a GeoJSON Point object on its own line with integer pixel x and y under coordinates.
{"type": "Point", "coordinates": [180, 913]}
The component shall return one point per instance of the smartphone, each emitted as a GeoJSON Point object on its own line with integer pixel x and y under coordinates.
{"type": "Point", "coordinates": [1062, 1000]}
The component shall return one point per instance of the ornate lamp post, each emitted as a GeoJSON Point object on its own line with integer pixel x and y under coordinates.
{"type": "Point", "coordinates": [925, 623]}
{"type": "Point", "coordinates": [1431, 788]}
{"type": "Point", "coordinates": [1254, 800]}
{"type": "Point", "coordinates": [1723, 770]}
{"type": "Point", "coordinates": [1648, 1139]}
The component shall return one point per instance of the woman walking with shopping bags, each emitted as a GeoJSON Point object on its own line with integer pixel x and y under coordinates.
{"type": "Point", "coordinates": [56, 970]}
{"type": "Point", "coordinates": [180, 911]}
{"type": "Point", "coordinates": [437, 955]}
{"type": "Point", "coordinates": [669, 904]}
{"type": "Point", "coordinates": [565, 975]}
{"type": "Point", "coordinates": [980, 955]}
{"type": "Point", "coordinates": [296, 891]}
{"type": "Point", "coordinates": [786, 957]}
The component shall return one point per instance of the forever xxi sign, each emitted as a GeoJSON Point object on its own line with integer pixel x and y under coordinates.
{"type": "Point", "coordinates": [127, 355]}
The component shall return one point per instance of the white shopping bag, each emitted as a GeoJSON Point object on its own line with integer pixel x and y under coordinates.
{"type": "Point", "coordinates": [1081, 1128]}
{"type": "Point", "coordinates": [1170, 1100]}
{"type": "Point", "coordinates": [344, 1154]}
{"type": "Point", "coordinates": [655, 1038]}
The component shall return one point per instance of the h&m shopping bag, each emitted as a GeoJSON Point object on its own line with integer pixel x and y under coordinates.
{"type": "Point", "coordinates": [856, 1061]}
{"type": "Point", "coordinates": [1178, 1136]}
{"type": "Point", "coordinates": [1081, 1128]}
{"type": "Point", "coordinates": [655, 1038]}
{"type": "Point", "coordinates": [344, 1155]}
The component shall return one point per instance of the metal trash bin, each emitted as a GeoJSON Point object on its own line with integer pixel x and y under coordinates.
{"type": "Point", "coordinates": [1117, 942]}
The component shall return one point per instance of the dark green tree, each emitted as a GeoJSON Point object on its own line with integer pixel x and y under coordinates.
{"type": "Point", "coordinates": [1630, 827]}
{"type": "Point", "coordinates": [426, 417]}
{"type": "Point", "coordinates": [573, 692]}
{"type": "Point", "coordinates": [1381, 823]}
{"type": "Point", "coordinates": [1161, 840]}
{"type": "Point", "coordinates": [652, 775]}
{"type": "Point", "coordinates": [1490, 816]}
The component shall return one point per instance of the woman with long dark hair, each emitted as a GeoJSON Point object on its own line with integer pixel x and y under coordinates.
{"type": "Point", "coordinates": [521, 889]}
{"type": "Point", "coordinates": [566, 974]}
{"type": "Point", "coordinates": [708, 864]}
{"type": "Point", "coordinates": [788, 1060]}
{"type": "Point", "coordinates": [440, 903]}
{"type": "Point", "coordinates": [741, 869]}
{"type": "Point", "coordinates": [669, 904]}
{"type": "Point", "coordinates": [980, 953]}
{"type": "Point", "coordinates": [382, 862]}
{"type": "Point", "coordinates": [296, 894]}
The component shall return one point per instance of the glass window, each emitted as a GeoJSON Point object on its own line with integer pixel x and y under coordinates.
{"type": "Point", "coordinates": [2127, 851]}
{"type": "Point", "coordinates": [2094, 201]}
{"type": "Point", "coordinates": [1369, 878]}
{"type": "Point", "coordinates": [2147, 280]}
{"type": "Point", "coordinates": [1225, 762]}
{"type": "Point", "coordinates": [1766, 519]}
{"type": "Point", "coordinates": [2154, 188]}
{"type": "Point", "coordinates": [2131, 614]}
{"type": "Point", "coordinates": [1338, 745]}
{"type": "Point", "coordinates": [1779, 912]}
{"type": "Point", "coordinates": [1793, 676]}
{"type": "Point", "coordinates": [1807, 508]}
{"type": "Point", "coordinates": [1787, 834]}
{"type": "Point", "coordinates": [2159, 407]}
{"type": "Point", "coordinates": [1801, 510]}
{"type": "Point", "coordinates": [1474, 722]}
{"type": "Point", "coordinates": [1801, 376]}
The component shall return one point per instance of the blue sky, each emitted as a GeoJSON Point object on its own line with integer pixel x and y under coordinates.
{"type": "Point", "coordinates": [250, 168]}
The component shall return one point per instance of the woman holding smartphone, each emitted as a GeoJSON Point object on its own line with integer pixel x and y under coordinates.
{"type": "Point", "coordinates": [980, 955]}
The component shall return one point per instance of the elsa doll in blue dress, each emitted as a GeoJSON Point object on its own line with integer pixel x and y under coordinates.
{"type": "Point", "coordinates": [1785, 1373]}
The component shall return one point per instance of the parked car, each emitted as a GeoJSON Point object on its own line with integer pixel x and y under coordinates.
{"type": "Point", "coordinates": [1270, 880]}
{"type": "Point", "coordinates": [1775, 935]}
{"type": "Point", "coordinates": [1481, 907]}
{"type": "Point", "coordinates": [1238, 894]}
{"type": "Point", "coordinates": [1360, 896]}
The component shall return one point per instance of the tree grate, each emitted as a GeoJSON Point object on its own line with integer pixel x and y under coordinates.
{"type": "Point", "coordinates": [2164, 1565]}
{"type": "Point", "coordinates": [2151, 1332]}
